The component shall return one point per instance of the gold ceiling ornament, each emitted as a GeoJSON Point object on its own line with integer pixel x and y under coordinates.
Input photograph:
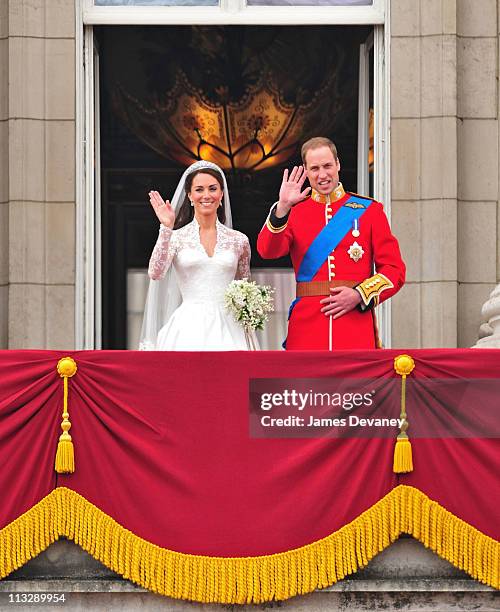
{"type": "Point", "coordinates": [256, 132]}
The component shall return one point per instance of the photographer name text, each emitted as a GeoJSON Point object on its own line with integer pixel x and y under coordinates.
{"type": "Point", "coordinates": [352, 421]}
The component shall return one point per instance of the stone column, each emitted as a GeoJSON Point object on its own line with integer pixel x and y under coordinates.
{"type": "Point", "coordinates": [41, 165]}
{"type": "Point", "coordinates": [445, 175]}
{"type": "Point", "coordinates": [478, 173]}
{"type": "Point", "coordinates": [424, 169]}
{"type": "Point", "coordinates": [4, 174]}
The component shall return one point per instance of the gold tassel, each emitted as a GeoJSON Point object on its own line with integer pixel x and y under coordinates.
{"type": "Point", "coordinates": [403, 460]}
{"type": "Point", "coordinates": [65, 455]}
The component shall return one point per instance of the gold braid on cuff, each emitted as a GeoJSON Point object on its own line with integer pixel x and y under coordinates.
{"type": "Point", "coordinates": [371, 288]}
{"type": "Point", "coordinates": [275, 230]}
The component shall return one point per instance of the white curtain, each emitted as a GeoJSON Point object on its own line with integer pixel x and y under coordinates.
{"type": "Point", "coordinates": [282, 280]}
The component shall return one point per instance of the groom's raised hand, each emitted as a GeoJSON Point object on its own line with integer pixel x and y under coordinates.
{"type": "Point", "coordinates": [163, 209]}
{"type": "Point", "coordinates": [291, 190]}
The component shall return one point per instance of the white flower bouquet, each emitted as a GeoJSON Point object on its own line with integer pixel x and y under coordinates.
{"type": "Point", "coordinates": [249, 304]}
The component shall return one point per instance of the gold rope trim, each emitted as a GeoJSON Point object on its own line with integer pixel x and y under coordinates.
{"type": "Point", "coordinates": [403, 458]}
{"type": "Point", "coordinates": [240, 580]}
{"type": "Point", "coordinates": [65, 454]}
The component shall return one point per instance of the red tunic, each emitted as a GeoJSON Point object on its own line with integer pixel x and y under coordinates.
{"type": "Point", "coordinates": [308, 327]}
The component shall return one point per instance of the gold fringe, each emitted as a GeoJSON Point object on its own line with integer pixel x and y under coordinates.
{"type": "Point", "coordinates": [239, 580]}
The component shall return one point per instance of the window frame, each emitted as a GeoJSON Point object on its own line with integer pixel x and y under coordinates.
{"type": "Point", "coordinates": [229, 12]}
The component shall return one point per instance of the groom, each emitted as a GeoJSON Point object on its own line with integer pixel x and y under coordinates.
{"type": "Point", "coordinates": [336, 241]}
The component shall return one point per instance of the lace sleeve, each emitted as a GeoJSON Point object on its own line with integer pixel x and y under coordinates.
{"type": "Point", "coordinates": [243, 270]}
{"type": "Point", "coordinates": [162, 254]}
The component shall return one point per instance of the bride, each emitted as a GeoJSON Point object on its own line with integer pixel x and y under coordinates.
{"type": "Point", "coordinates": [196, 256]}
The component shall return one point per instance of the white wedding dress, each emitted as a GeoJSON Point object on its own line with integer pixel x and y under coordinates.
{"type": "Point", "coordinates": [201, 322]}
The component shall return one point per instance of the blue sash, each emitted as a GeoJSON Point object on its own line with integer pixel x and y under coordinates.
{"type": "Point", "coordinates": [330, 236]}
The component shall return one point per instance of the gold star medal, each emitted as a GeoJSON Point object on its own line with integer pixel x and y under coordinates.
{"type": "Point", "coordinates": [355, 251]}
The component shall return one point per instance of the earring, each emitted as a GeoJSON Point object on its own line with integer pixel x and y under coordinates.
{"type": "Point", "coordinates": [192, 203]}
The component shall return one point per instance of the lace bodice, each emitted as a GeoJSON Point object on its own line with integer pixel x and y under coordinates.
{"type": "Point", "coordinates": [201, 277]}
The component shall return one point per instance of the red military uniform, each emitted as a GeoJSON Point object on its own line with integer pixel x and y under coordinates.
{"type": "Point", "coordinates": [369, 245]}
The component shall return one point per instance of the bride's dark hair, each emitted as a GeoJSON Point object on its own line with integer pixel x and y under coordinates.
{"type": "Point", "coordinates": [186, 211]}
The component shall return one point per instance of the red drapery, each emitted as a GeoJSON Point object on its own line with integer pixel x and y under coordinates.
{"type": "Point", "coordinates": [162, 447]}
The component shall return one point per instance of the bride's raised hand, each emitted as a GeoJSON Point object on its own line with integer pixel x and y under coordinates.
{"type": "Point", "coordinates": [163, 209]}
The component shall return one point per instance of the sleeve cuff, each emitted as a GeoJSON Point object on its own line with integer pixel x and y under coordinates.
{"type": "Point", "coordinates": [370, 290]}
{"type": "Point", "coordinates": [276, 224]}
{"type": "Point", "coordinates": [362, 306]}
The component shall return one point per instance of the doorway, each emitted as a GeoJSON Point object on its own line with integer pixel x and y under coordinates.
{"type": "Point", "coordinates": [163, 90]}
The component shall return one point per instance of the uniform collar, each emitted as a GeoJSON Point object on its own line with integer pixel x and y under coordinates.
{"type": "Point", "coordinates": [329, 198]}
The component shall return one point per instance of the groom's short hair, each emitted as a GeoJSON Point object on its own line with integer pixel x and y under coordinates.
{"type": "Point", "coordinates": [316, 143]}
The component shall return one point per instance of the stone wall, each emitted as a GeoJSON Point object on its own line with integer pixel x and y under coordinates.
{"type": "Point", "coordinates": [478, 170]}
{"type": "Point", "coordinates": [444, 124]}
{"type": "Point", "coordinates": [38, 199]}
{"type": "Point", "coordinates": [4, 174]}
{"type": "Point", "coordinates": [444, 58]}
